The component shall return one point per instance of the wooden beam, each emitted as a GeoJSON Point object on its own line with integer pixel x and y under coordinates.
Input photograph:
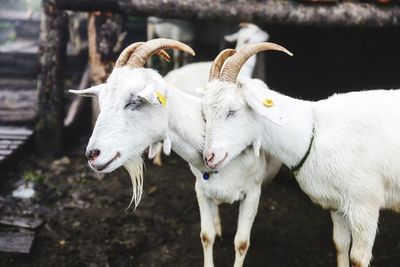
{"type": "Point", "coordinates": [19, 221]}
{"type": "Point", "coordinates": [343, 14]}
{"type": "Point", "coordinates": [104, 34]}
{"type": "Point", "coordinates": [88, 5]}
{"type": "Point", "coordinates": [16, 242]}
{"type": "Point", "coordinates": [50, 85]}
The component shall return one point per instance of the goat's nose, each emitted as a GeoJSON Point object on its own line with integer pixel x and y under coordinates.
{"type": "Point", "coordinates": [209, 157]}
{"type": "Point", "coordinates": [91, 155]}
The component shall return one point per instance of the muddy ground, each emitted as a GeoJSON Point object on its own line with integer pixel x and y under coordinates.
{"type": "Point", "coordinates": [86, 223]}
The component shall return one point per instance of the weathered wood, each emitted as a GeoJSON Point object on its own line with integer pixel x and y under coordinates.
{"type": "Point", "coordinates": [78, 102]}
{"type": "Point", "coordinates": [25, 222]}
{"type": "Point", "coordinates": [5, 152]}
{"type": "Point", "coordinates": [13, 137]}
{"type": "Point", "coordinates": [16, 242]}
{"type": "Point", "coordinates": [258, 11]}
{"type": "Point", "coordinates": [91, 5]}
{"type": "Point", "coordinates": [104, 30]}
{"type": "Point", "coordinates": [10, 142]}
{"type": "Point", "coordinates": [52, 53]}
{"type": "Point", "coordinates": [15, 130]}
{"type": "Point", "coordinates": [8, 147]}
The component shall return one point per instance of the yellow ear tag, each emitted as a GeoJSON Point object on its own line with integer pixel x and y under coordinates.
{"type": "Point", "coordinates": [268, 102]}
{"type": "Point", "coordinates": [161, 98]}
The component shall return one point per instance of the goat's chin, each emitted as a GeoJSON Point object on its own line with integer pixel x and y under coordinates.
{"type": "Point", "coordinates": [134, 166]}
{"type": "Point", "coordinates": [110, 168]}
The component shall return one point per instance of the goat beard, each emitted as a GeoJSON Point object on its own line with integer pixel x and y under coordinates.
{"type": "Point", "coordinates": [135, 169]}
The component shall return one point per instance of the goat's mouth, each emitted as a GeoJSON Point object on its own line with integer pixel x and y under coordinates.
{"type": "Point", "coordinates": [102, 167]}
{"type": "Point", "coordinates": [219, 163]}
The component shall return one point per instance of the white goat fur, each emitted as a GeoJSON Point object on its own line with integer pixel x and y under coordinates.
{"type": "Point", "coordinates": [128, 129]}
{"type": "Point", "coordinates": [195, 75]}
{"type": "Point", "coordinates": [353, 168]}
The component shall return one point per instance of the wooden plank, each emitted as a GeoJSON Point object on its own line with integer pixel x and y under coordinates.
{"type": "Point", "coordinates": [5, 152]}
{"type": "Point", "coordinates": [9, 147]}
{"type": "Point", "coordinates": [25, 222]}
{"type": "Point", "coordinates": [13, 137]}
{"type": "Point", "coordinates": [15, 130]}
{"type": "Point", "coordinates": [10, 142]}
{"type": "Point", "coordinates": [16, 242]}
{"type": "Point", "coordinates": [343, 14]}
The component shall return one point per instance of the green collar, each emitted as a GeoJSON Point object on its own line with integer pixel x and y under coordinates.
{"type": "Point", "coordinates": [295, 170]}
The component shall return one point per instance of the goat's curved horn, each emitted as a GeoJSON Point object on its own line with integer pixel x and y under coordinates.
{"type": "Point", "coordinates": [232, 67]}
{"type": "Point", "coordinates": [127, 52]}
{"type": "Point", "coordinates": [219, 62]}
{"type": "Point", "coordinates": [149, 48]}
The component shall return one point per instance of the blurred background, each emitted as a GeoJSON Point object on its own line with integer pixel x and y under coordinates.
{"type": "Point", "coordinates": [54, 211]}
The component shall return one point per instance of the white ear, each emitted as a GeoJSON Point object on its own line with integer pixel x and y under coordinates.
{"type": "Point", "coordinates": [264, 104]}
{"type": "Point", "coordinates": [90, 92]}
{"type": "Point", "coordinates": [154, 149]}
{"type": "Point", "coordinates": [232, 37]}
{"type": "Point", "coordinates": [154, 93]}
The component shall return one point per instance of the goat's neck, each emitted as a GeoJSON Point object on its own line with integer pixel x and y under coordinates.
{"type": "Point", "coordinates": [186, 126]}
{"type": "Point", "coordinates": [290, 142]}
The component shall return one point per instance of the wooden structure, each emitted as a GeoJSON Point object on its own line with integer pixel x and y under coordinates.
{"type": "Point", "coordinates": [11, 139]}
{"type": "Point", "coordinates": [49, 129]}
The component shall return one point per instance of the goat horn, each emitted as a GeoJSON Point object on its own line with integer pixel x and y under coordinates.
{"type": "Point", "coordinates": [127, 52]}
{"type": "Point", "coordinates": [145, 51]}
{"type": "Point", "coordinates": [219, 62]}
{"type": "Point", "coordinates": [232, 67]}
{"type": "Point", "coordinates": [163, 54]}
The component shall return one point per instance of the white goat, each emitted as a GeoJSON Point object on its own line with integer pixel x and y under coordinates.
{"type": "Point", "coordinates": [195, 75]}
{"type": "Point", "coordinates": [138, 109]}
{"type": "Point", "coordinates": [192, 77]}
{"type": "Point", "coordinates": [344, 151]}
{"type": "Point", "coordinates": [176, 29]}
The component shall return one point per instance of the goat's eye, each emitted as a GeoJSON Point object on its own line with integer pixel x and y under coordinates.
{"type": "Point", "coordinates": [133, 104]}
{"type": "Point", "coordinates": [230, 113]}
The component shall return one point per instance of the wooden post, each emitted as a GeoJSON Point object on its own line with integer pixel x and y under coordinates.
{"type": "Point", "coordinates": [104, 39]}
{"type": "Point", "coordinates": [50, 84]}
{"type": "Point", "coordinates": [259, 69]}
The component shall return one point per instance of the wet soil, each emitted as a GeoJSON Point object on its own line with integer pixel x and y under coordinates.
{"type": "Point", "coordinates": [86, 223]}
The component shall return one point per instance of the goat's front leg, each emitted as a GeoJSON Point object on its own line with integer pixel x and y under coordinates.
{"type": "Point", "coordinates": [363, 224]}
{"type": "Point", "coordinates": [341, 238]}
{"type": "Point", "coordinates": [207, 232]}
{"type": "Point", "coordinates": [247, 213]}
{"type": "Point", "coordinates": [217, 220]}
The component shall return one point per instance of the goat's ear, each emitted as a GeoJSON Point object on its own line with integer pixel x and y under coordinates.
{"type": "Point", "coordinates": [264, 105]}
{"type": "Point", "coordinates": [90, 92]}
{"type": "Point", "coordinates": [232, 37]}
{"type": "Point", "coordinates": [154, 94]}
